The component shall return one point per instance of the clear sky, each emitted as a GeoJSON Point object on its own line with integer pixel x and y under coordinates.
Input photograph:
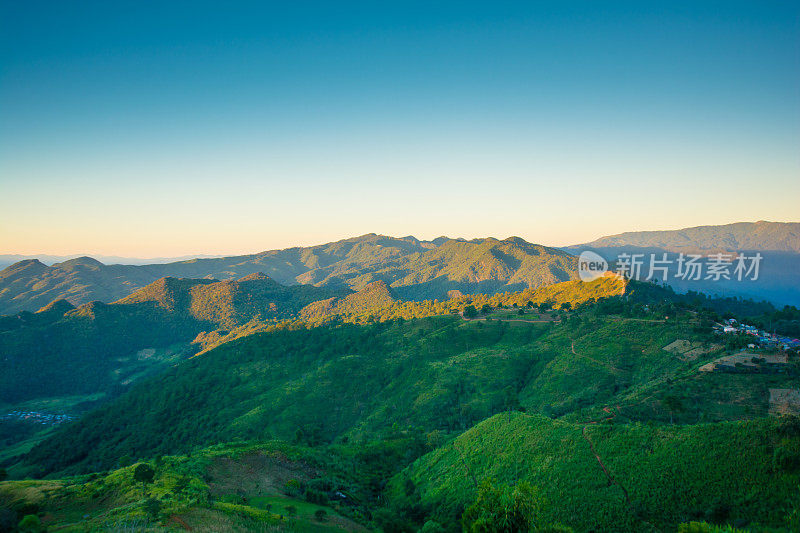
{"type": "Point", "coordinates": [168, 128]}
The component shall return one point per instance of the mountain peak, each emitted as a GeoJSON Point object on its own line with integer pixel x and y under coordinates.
{"type": "Point", "coordinates": [26, 263]}
{"type": "Point", "coordinates": [165, 291]}
{"type": "Point", "coordinates": [256, 276]}
{"type": "Point", "coordinates": [438, 241]}
{"type": "Point", "coordinates": [23, 269]}
{"type": "Point", "coordinates": [377, 285]}
{"type": "Point", "coordinates": [60, 306]}
{"type": "Point", "coordinates": [84, 261]}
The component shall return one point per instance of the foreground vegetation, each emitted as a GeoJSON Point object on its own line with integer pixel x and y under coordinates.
{"type": "Point", "coordinates": [528, 471]}
{"type": "Point", "coordinates": [234, 487]}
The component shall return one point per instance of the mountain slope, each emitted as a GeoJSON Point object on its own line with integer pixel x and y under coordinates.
{"type": "Point", "coordinates": [416, 269]}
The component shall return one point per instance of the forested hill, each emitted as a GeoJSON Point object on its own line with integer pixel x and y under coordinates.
{"type": "Point", "coordinates": [98, 346]}
{"type": "Point", "coordinates": [415, 269]}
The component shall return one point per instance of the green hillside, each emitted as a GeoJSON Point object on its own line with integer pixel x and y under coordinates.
{"type": "Point", "coordinates": [89, 349]}
{"type": "Point", "coordinates": [655, 477]}
{"type": "Point", "coordinates": [442, 374]}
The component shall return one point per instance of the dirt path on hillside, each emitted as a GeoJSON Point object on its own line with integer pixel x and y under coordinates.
{"type": "Point", "coordinates": [595, 361]}
{"type": "Point", "coordinates": [511, 320]}
{"type": "Point", "coordinates": [611, 480]}
{"type": "Point", "coordinates": [639, 320]}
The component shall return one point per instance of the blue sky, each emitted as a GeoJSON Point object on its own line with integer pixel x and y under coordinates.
{"type": "Point", "coordinates": [146, 129]}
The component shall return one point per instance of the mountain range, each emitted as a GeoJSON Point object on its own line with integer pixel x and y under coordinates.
{"type": "Point", "coordinates": [416, 269]}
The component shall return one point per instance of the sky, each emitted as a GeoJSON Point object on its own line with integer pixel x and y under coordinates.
{"type": "Point", "coordinates": [174, 128]}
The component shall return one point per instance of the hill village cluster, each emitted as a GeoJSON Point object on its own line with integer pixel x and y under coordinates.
{"type": "Point", "coordinates": [762, 339]}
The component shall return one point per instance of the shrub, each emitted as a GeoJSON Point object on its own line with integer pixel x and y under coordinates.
{"type": "Point", "coordinates": [30, 524]}
{"type": "Point", "coordinates": [152, 507]}
{"type": "Point", "coordinates": [786, 459]}
{"type": "Point", "coordinates": [316, 496]}
{"type": "Point", "coordinates": [432, 526]}
{"type": "Point", "coordinates": [501, 509]}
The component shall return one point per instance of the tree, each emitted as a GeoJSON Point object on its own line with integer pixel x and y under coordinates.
{"type": "Point", "coordinates": [3, 474]}
{"type": "Point", "coordinates": [152, 506]}
{"type": "Point", "coordinates": [30, 524]}
{"type": "Point", "coordinates": [432, 526]}
{"type": "Point", "coordinates": [470, 311]}
{"type": "Point", "coordinates": [320, 515]}
{"type": "Point", "coordinates": [144, 474]}
{"type": "Point", "coordinates": [502, 509]}
{"type": "Point", "coordinates": [674, 404]}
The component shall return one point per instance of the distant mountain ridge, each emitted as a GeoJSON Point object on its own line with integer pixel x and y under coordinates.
{"type": "Point", "coordinates": [761, 235]}
{"type": "Point", "coordinates": [10, 259]}
{"type": "Point", "coordinates": [778, 243]}
{"type": "Point", "coordinates": [414, 269]}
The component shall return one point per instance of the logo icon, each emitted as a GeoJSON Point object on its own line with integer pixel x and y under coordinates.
{"type": "Point", "coordinates": [591, 266]}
